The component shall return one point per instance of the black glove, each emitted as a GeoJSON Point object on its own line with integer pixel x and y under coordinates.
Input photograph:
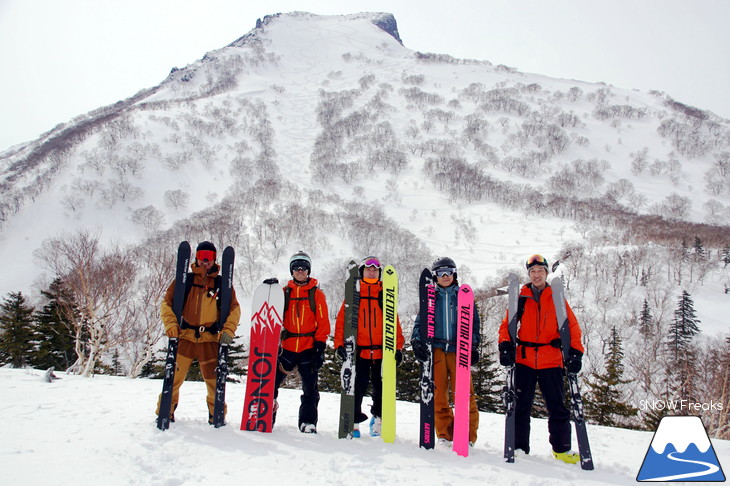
{"type": "Point", "coordinates": [419, 350]}
{"type": "Point", "coordinates": [506, 353]}
{"type": "Point", "coordinates": [474, 355]}
{"type": "Point", "coordinates": [575, 361]}
{"type": "Point", "coordinates": [319, 348]}
{"type": "Point", "coordinates": [398, 357]}
{"type": "Point", "coordinates": [271, 281]}
{"type": "Point", "coordinates": [341, 353]}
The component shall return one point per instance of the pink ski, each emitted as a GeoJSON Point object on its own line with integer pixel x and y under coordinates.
{"type": "Point", "coordinates": [463, 371]}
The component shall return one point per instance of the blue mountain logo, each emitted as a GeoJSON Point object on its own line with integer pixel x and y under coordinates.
{"type": "Point", "coordinates": [681, 451]}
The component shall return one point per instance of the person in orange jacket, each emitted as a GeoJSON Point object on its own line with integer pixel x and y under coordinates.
{"type": "Point", "coordinates": [538, 360]}
{"type": "Point", "coordinates": [199, 335]}
{"type": "Point", "coordinates": [369, 343]}
{"type": "Point", "coordinates": [303, 338]}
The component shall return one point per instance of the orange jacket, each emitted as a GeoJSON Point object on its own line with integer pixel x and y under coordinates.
{"type": "Point", "coordinates": [299, 318]}
{"type": "Point", "coordinates": [539, 324]}
{"type": "Point", "coordinates": [369, 323]}
{"type": "Point", "coordinates": [200, 309]}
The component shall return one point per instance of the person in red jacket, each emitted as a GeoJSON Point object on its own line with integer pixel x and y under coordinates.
{"type": "Point", "coordinates": [369, 361]}
{"type": "Point", "coordinates": [303, 338]}
{"type": "Point", "coordinates": [538, 360]}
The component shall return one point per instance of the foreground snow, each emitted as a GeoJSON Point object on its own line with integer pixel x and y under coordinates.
{"type": "Point", "coordinates": [80, 430]}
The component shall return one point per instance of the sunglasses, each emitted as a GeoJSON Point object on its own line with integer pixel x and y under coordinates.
{"type": "Point", "coordinates": [299, 269]}
{"type": "Point", "coordinates": [444, 272]}
{"type": "Point", "coordinates": [300, 265]}
{"type": "Point", "coordinates": [536, 259]}
{"type": "Point", "coordinates": [203, 255]}
{"type": "Point", "coordinates": [372, 262]}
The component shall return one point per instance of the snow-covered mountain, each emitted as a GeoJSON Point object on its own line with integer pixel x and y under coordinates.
{"type": "Point", "coordinates": [328, 134]}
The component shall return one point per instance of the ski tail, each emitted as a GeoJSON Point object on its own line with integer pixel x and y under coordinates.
{"type": "Point", "coordinates": [225, 296]}
{"type": "Point", "coordinates": [509, 395]}
{"type": "Point", "coordinates": [178, 302]}
{"type": "Point", "coordinates": [576, 401]}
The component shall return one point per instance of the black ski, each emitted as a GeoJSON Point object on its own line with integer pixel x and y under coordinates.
{"type": "Point", "coordinates": [427, 300]}
{"type": "Point", "coordinates": [225, 294]}
{"type": "Point", "coordinates": [347, 373]}
{"type": "Point", "coordinates": [509, 397]}
{"type": "Point", "coordinates": [576, 402]}
{"type": "Point", "coordinates": [178, 301]}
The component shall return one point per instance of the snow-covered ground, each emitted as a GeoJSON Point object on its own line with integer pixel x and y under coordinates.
{"type": "Point", "coordinates": [85, 430]}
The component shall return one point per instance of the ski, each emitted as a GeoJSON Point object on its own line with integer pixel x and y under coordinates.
{"type": "Point", "coordinates": [347, 372]}
{"type": "Point", "coordinates": [462, 393]}
{"type": "Point", "coordinates": [225, 295]}
{"type": "Point", "coordinates": [509, 396]}
{"type": "Point", "coordinates": [390, 316]}
{"type": "Point", "coordinates": [576, 402]}
{"type": "Point", "coordinates": [427, 316]}
{"type": "Point", "coordinates": [266, 320]}
{"type": "Point", "coordinates": [178, 301]}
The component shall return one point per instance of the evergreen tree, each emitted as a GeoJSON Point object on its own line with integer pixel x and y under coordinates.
{"type": "Point", "coordinates": [698, 249]}
{"type": "Point", "coordinates": [682, 367]}
{"type": "Point", "coordinates": [603, 403]}
{"type": "Point", "coordinates": [53, 331]}
{"type": "Point", "coordinates": [237, 360]}
{"type": "Point", "coordinates": [646, 320]}
{"type": "Point", "coordinates": [726, 255]}
{"type": "Point", "coordinates": [16, 330]}
{"type": "Point", "coordinates": [487, 379]}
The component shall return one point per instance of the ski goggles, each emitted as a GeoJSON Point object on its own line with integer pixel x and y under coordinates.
{"type": "Point", "coordinates": [299, 266]}
{"type": "Point", "coordinates": [203, 255]}
{"type": "Point", "coordinates": [536, 260]}
{"type": "Point", "coordinates": [444, 272]}
{"type": "Point", "coordinates": [372, 262]}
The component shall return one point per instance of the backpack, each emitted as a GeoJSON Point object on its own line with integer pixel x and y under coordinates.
{"type": "Point", "coordinates": [312, 304]}
{"type": "Point", "coordinates": [216, 287]}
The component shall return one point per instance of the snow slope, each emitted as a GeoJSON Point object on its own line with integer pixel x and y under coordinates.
{"type": "Point", "coordinates": [82, 430]}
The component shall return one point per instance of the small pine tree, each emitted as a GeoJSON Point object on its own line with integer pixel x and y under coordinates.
{"type": "Point", "coordinates": [726, 255]}
{"type": "Point", "coordinates": [646, 320]}
{"type": "Point", "coordinates": [16, 330]}
{"type": "Point", "coordinates": [487, 379]}
{"type": "Point", "coordinates": [681, 332]}
{"type": "Point", "coordinates": [53, 331]}
{"type": "Point", "coordinates": [603, 400]}
{"type": "Point", "coordinates": [698, 250]}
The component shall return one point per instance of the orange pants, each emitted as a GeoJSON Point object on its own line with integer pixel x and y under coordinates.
{"type": "Point", "coordinates": [444, 375]}
{"type": "Point", "coordinates": [207, 355]}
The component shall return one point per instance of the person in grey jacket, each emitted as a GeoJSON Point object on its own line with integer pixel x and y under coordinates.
{"type": "Point", "coordinates": [444, 351]}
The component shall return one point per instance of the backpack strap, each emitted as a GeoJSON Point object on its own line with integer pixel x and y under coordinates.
{"type": "Point", "coordinates": [310, 297]}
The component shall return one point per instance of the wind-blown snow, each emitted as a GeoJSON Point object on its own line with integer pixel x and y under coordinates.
{"type": "Point", "coordinates": [84, 430]}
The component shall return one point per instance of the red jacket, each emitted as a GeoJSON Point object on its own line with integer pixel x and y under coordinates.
{"type": "Point", "coordinates": [299, 318]}
{"type": "Point", "coordinates": [369, 323]}
{"type": "Point", "coordinates": [539, 324]}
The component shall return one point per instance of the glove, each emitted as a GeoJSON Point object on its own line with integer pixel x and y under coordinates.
{"type": "Point", "coordinates": [225, 339]}
{"type": "Point", "coordinates": [474, 355]}
{"type": "Point", "coordinates": [575, 361]}
{"type": "Point", "coordinates": [506, 353]}
{"type": "Point", "coordinates": [271, 281]}
{"type": "Point", "coordinates": [398, 357]}
{"type": "Point", "coordinates": [319, 348]}
{"type": "Point", "coordinates": [341, 353]}
{"type": "Point", "coordinates": [419, 350]}
{"type": "Point", "coordinates": [173, 332]}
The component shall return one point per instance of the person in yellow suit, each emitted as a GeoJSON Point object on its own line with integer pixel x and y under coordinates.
{"type": "Point", "coordinates": [199, 336]}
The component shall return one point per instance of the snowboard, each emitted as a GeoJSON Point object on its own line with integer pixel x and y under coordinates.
{"type": "Point", "coordinates": [390, 321]}
{"type": "Point", "coordinates": [178, 302]}
{"type": "Point", "coordinates": [225, 295]}
{"type": "Point", "coordinates": [509, 395]}
{"type": "Point", "coordinates": [463, 370]}
{"type": "Point", "coordinates": [576, 402]}
{"type": "Point", "coordinates": [267, 314]}
{"type": "Point", "coordinates": [427, 316]}
{"type": "Point", "coordinates": [347, 372]}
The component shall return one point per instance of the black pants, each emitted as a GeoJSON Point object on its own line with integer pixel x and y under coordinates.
{"type": "Point", "coordinates": [368, 371]}
{"type": "Point", "coordinates": [310, 396]}
{"type": "Point", "coordinates": [551, 387]}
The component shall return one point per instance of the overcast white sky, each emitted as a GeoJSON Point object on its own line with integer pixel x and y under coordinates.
{"type": "Point", "coordinates": [59, 59]}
